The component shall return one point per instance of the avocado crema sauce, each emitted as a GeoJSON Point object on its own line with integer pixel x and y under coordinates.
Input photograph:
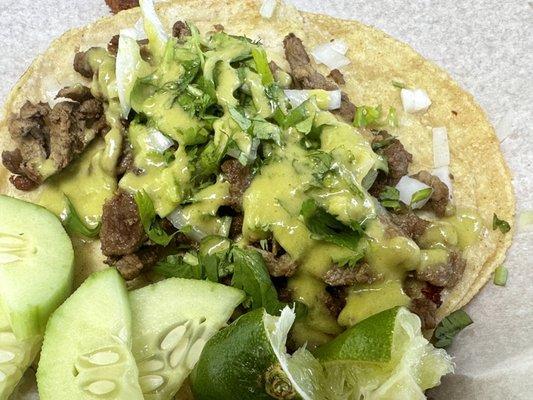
{"type": "Point", "coordinates": [203, 140]}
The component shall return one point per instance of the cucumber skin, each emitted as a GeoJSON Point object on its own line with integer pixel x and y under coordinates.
{"type": "Point", "coordinates": [239, 371]}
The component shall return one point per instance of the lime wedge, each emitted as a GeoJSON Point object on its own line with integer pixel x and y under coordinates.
{"type": "Point", "coordinates": [248, 360]}
{"type": "Point", "coordinates": [383, 357]}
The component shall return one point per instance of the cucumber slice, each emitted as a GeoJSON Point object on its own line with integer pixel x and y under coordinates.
{"type": "Point", "coordinates": [172, 321]}
{"type": "Point", "coordinates": [86, 351]}
{"type": "Point", "coordinates": [15, 356]}
{"type": "Point", "coordinates": [36, 265]}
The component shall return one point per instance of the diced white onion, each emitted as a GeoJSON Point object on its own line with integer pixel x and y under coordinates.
{"type": "Point", "coordinates": [297, 97]}
{"type": "Point", "coordinates": [407, 187]}
{"type": "Point", "coordinates": [137, 32]}
{"type": "Point", "coordinates": [331, 54]}
{"type": "Point", "coordinates": [151, 20]}
{"type": "Point", "coordinates": [127, 64]}
{"type": "Point", "coordinates": [441, 150]}
{"type": "Point", "coordinates": [443, 173]}
{"type": "Point", "coordinates": [179, 221]}
{"type": "Point", "coordinates": [414, 100]}
{"type": "Point", "coordinates": [267, 8]}
{"type": "Point", "coordinates": [158, 141]}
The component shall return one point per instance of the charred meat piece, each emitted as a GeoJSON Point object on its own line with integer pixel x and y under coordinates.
{"type": "Point", "coordinates": [239, 178]}
{"type": "Point", "coordinates": [337, 77]}
{"type": "Point", "coordinates": [346, 110]}
{"type": "Point", "coordinates": [55, 135]}
{"type": "Point", "coordinates": [304, 74]}
{"type": "Point", "coordinates": [439, 198]}
{"type": "Point", "coordinates": [122, 231]}
{"type": "Point", "coordinates": [425, 299]}
{"type": "Point", "coordinates": [397, 157]}
{"type": "Point", "coordinates": [446, 274]}
{"type": "Point", "coordinates": [130, 266]}
{"type": "Point", "coordinates": [278, 265]}
{"type": "Point", "coordinates": [235, 229]}
{"type": "Point", "coordinates": [81, 64]}
{"type": "Point", "coordinates": [180, 30]}
{"type": "Point", "coordinates": [120, 5]}
{"type": "Point", "coordinates": [334, 298]}
{"type": "Point", "coordinates": [347, 276]}
{"type": "Point", "coordinates": [112, 45]}
{"type": "Point", "coordinates": [409, 223]}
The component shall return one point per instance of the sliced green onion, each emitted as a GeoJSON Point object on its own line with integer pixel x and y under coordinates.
{"type": "Point", "coordinates": [500, 224]}
{"type": "Point", "coordinates": [366, 116]}
{"type": "Point", "coordinates": [420, 195]}
{"type": "Point", "coordinates": [73, 223]}
{"type": "Point", "coordinates": [449, 327]}
{"type": "Point", "coordinates": [261, 64]}
{"type": "Point", "coordinates": [392, 118]}
{"type": "Point", "coordinates": [399, 85]}
{"type": "Point", "coordinates": [500, 276]}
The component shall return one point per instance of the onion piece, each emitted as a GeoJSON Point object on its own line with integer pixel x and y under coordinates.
{"type": "Point", "coordinates": [179, 221]}
{"type": "Point", "coordinates": [267, 8]}
{"type": "Point", "coordinates": [407, 187]}
{"type": "Point", "coordinates": [441, 149]}
{"type": "Point", "coordinates": [340, 46]}
{"type": "Point", "coordinates": [127, 65]}
{"type": "Point", "coordinates": [137, 32]}
{"type": "Point", "coordinates": [415, 100]}
{"type": "Point", "coordinates": [331, 54]}
{"type": "Point", "coordinates": [297, 97]}
{"type": "Point", "coordinates": [158, 142]}
{"type": "Point", "coordinates": [443, 173]}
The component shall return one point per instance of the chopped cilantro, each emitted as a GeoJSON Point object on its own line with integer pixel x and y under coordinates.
{"type": "Point", "coordinates": [500, 224]}
{"type": "Point", "coordinates": [367, 116]}
{"type": "Point", "coordinates": [449, 327]}
{"type": "Point", "coordinates": [148, 219]}
{"type": "Point", "coordinates": [390, 197]}
{"type": "Point", "coordinates": [261, 64]}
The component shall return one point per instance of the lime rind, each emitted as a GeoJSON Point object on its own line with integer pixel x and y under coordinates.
{"type": "Point", "coordinates": [414, 366]}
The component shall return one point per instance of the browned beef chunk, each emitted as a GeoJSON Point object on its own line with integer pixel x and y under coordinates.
{"type": "Point", "coordinates": [409, 223]}
{"type": "Point", "coordinates": [304, 74]}
{"type": "Point", "coordinates": [219, 27]}
{"type": "Point", "coordinates": [82, 66]}
{"type": "Point", "coordinates": [112, 45]}
{"type": "Point", "coordinates": [122, 231]}
{"type": "Point", "coordinates": [77, 93]}
{"type": "Point", "coordinates": [346, 110]}
{"type": "Point", "coordinates": [239, 178]}
{"type": "Point", "coordinates": [398, 160]}
{"type": "Point", "coordinates": [425, 299]}
{"type": "Point", "coordinates": [347, 276]}
{"type": "Point", "coordinates": [235, 229]}
{"type": "Point", "coordinates": [120, 5]}
{"type": "Point", "coordinates": [334, 298]}
{"type": "Point", "coordinates": [59, 134]}
{"type": "Point", "coordinates": [130, 266]}
{"type": "Point", "coordinates": [278, 265]}
{"type": "Point", "coordinates": [180, 30]}
{"type": "Point", "coordinates": [125, 162]}
{"type": "Point", "coordinates": [439, 198]}
{"type": "Point", "coordinates": [273, 67]}
{"type": "Point", "coordinates": [337, 76]}
{"type": "Point", "coordinates": [444, 275]}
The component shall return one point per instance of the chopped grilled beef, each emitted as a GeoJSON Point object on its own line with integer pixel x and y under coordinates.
{"type": "Point", "coordinates": [439, 198]}
{"type": "Point", "coordinates": [125, 162]}
{"type": "Point", "coordinates": [347, 276]}
{"type": "Point", "coordinates": [334, 298]}
{"type": "Point", "coordinates": [346, 110]}
{"type": "Point", "coordinates": [304, 74]}
{"type": "Point", "coordinates": [397, 157]}
{"type": "Point", "coordinates": [120, 5]}
{"type": "Point", "coordinates": [130, 266]}
{"type": "Point", "coordinates": [112, 45]}
{"type": "Point", "coordinates": [409, 223]}
{"type": "Point", "coordinates": [81, 64]}
{"type": "Point", "coordinates": [180, 30]}
{"type": "Point", "coordinates": [337, 76]}
{"type": "Point", "coordinates": [425, 299]}
{"type": "Point", "coordinates": [58, 135]}
{"type": "Point", "coordinates": [278, 265]}
{"type": "Point", "coordinates": [239, 178]}
{"type": "Point", "coordinates": [235, 229]}
{"type": "Point", "coordinates": [122, 231]}
{"type": "Point", "coordinates": [446, 274]}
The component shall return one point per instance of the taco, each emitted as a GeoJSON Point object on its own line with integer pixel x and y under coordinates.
{"type": "Point", "coordinates": [349, 174]}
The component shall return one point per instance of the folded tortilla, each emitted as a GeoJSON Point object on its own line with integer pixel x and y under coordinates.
{"type": "Point", "coordinates": [482, 180]}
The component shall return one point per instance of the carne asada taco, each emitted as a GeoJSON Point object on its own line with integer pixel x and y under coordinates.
{"type": "Point", "coordinates": [305, 160]}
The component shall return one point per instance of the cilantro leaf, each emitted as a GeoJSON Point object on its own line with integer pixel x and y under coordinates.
{"type": "Point", "coordinates": [449, 327]}
{"type": "Point", "coordinates": [148, 219]}
{"type": "Point", "coordinates": [251, 275]}
{"type": "Point", "coordinates": [261, 65]}
{"type": "Point", "coordinates": [176, 266]}
{"type": "Point", "coordinates": [390, 197]}
{"type": "Point", "coordinates": [325, 226]}
{"type": "Point", "coordinates": [243, 122]}
{"type": "Point", "coordinates": [74, 224]}
{"type": "Point", "coordinates": [500, 224]}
